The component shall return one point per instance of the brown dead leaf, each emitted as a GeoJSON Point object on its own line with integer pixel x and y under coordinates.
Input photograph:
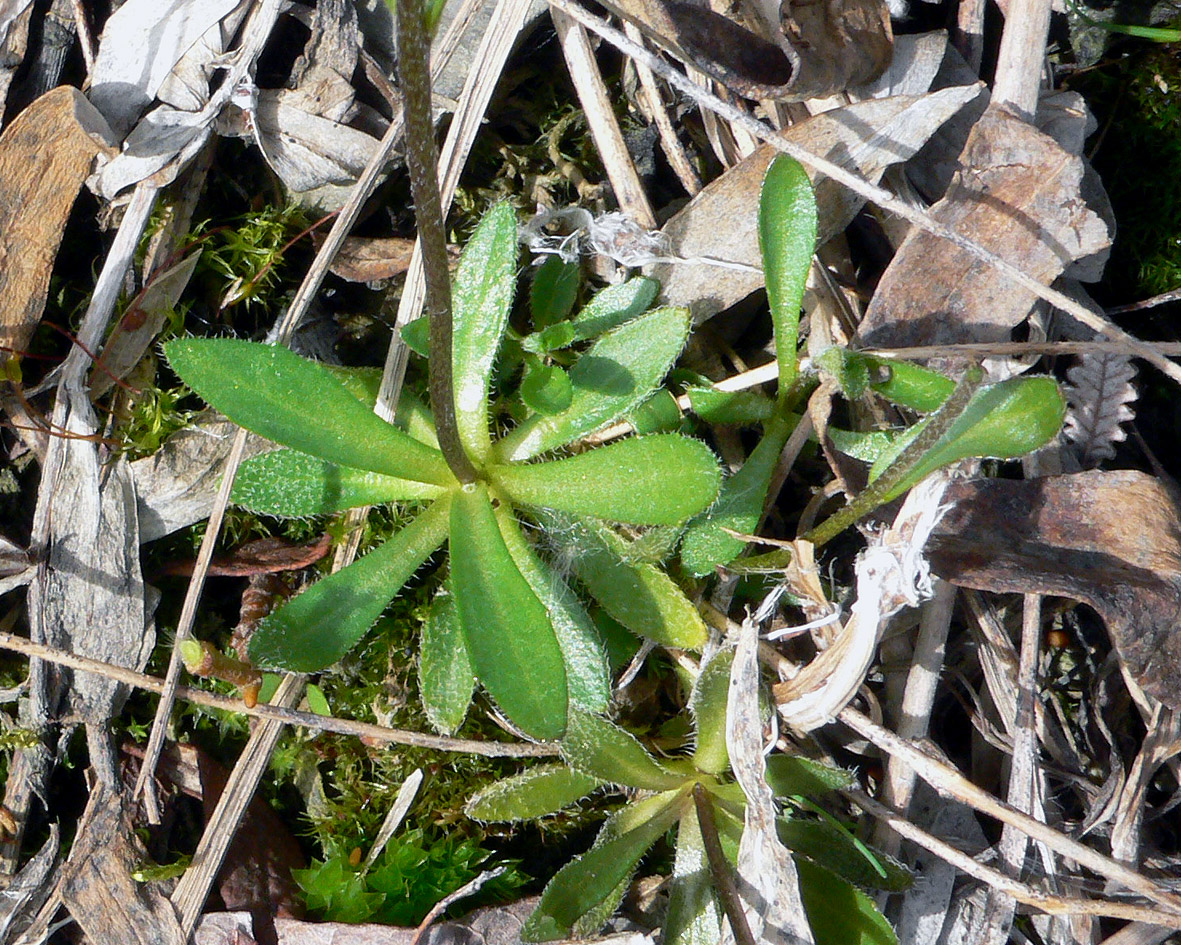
{"type": "Point", "coordinates": [1109, 539]}
{"type": "Point", "coordinates": [1017, 195]}
{"type": "Point", "coordinates": [362, 259]}
{"type": "Point", "coordinates": [815, 48]}
{"type": "Point", "coordinates": [262, 556]}
{"type": "Point", "coordinates": [45, 156]}
{"type": "Point", "coordinates": [866, 137]}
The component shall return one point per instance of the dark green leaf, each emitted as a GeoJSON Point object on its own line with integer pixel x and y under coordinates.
{"type": "Point", "coordinates": [446, 679]}
{"type": "Point", "coordinates": [602, 750]}
{"type": "Point", "coordinates": [291, 484]}
{"type": "Point", "coordinates": [660, 413]}
{"type": "Point", "coordinates": [531, 794]}
{"type": "Point", "coordinates": [417, 335]}
{"type": "Point", "coordinates": [555, 288]}
{"type": "Point", "coordinates": [509, 636]}
{"type": "Point", "coordinates": [787, 238]}
{"type": "Point", "coordinates": [615, 374]}
{"type": "Point", "coordinates": [322, 624]}
{"type": "Point", "coordinates": [651, 480]}
{"type": "Point", "coordinates": [835, 850]}
{"type": "Point", "coordinates": [297, 403]}
{"type": "Point", "coordinates": [840, 913]}
{"type": "Point", "coordinates": [792, 775]}
{"type": "Point", "coordinates": [549, 339]}
{"type": "Point", "coordinates": [482, 298]}
{"type": "Point", "coordinates": [546, 388]}
{"type": "Point", "coordinates": [742, 407]}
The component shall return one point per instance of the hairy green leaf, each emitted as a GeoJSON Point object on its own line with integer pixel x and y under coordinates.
{"type": "Point", "coordinates": [290, 484]}
{"type": "Point", "coordinates": [787, 239]}
{"type": "Point", "coordinates": [446, 678]}
{"type": "Point", "coordinates": [614, 306]}
{"type": "Point", "coordinates": [554, 291]}
{"type": "Point", "coordinates": [692, 909]}
{"type": "Point", "coordinates": [482, 299]}
{"type": "Point", "coordinates": [707, 702]}
{"type": "Point", "coordinates": [615, 374]}
{"type": "Point", "coordinates": [651, 480]}
{"type": "Point", "coordinates": [546, 388]}
{"type": "Point", "coordinates": [840, 913]}
{"type": "Point", "coordinates": [792, 775]}
{"type": "Point", "coordinates": [322, 624]}
{"type": "Point", "coordinates": [300, 404]}
{"type": "Point", "coordinates": [603, 750]}
{"type": "Point", "coordinates": [531, 794]}
{"type": "Point", "coordinates": [509, 636]}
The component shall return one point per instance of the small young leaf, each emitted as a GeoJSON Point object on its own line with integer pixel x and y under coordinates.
{"type": "Point", "coordinates": [838, 912]}
{"type": "Point", "coordinates": [660, 413]}
{"type": "Point", "coordinates": [555, 288]}
{"type": "Point", "coordinates": [482, 298]}
{"type": "Point", "coordinates": [617, 372]}
{"type": "Point", "coordinates": [298, 403]}
{"type": "Point", "coordinates": [446, 679]}
{"type": "Point", "coordinates": [546, 388]}
{"type": "Point", "coordinates": [707, 702]}
{"type": "Point", "coordinates": [651, 480]}
{"type": "Point", "coordinates": [508, 631]}
{"type": "Point", "coordinates": [290, 484]}
{"type": "Point", "coordinates": [531, 794]}
{"type": "Point", "coordinates": [587, 676]}
{"type": "Point", "coordinates": [637, 594]}
{"type": "Point", "coordinates": [1002, 421]}
{"type": "Point", "coordinates": [614, 306]}
{"type": "Point", "coordinates": [549, 339]}
{"type": "Point", "coordinates": [692, 909]}
{"type": "Point", "coordinates": [787, 239]}
{"type": "Point", "coordinates": [900, 382]}
{"type": "Point", "coordinates": [585, 892]}
{"type": "Point", "coordinates": [707, 543]}
{"type": "Point", "coordinates": [317, 701]}
{"type": "Point", "coordinates": [416, 335]}
{"type": "Point", "coordinates": [322, 624]}
{"type": "Point", "coordinates": [602, 750]}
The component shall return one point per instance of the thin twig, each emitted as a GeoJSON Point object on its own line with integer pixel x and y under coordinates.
{"type": "Point", "coordinates": [274, 713]}
{"type": "Point", "coordinates": [719, 868]}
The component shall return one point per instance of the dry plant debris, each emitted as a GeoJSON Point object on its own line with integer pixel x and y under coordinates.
{"type": "Point", "coordinates": [1012, 710]}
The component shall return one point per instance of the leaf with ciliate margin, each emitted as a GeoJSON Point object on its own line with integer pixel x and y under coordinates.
{"type": "Point", "coordinates": [531, 794]}
{"type": "Point", "coordinates": [290, 484]}
{"type": "Point", "coordinates": [614, 306]}
{"type": "Point", "coordinates": [692, 909]}
{"type": "Point", "coordinates": [615, 374]}
{"type": "Point", "coordinates": [481, 301]}
{"type": "Point", "coordinates": [319, 626]}
{"type": "Point", "coordinates": [791, 775]}
{"type": "Point", "coordinates": [509, 635]}
{"type": "Point", "coordinates": [832, 848]}
{"type": "Point", "coordinates": [634, 592]}
{"type": "Point", "coordinates": [707, 543]}
{"type": "Point", "coordinates": [587, 674]}
{"type": "Point", "coordinates": [584, 893]}
{"type": "Point", "coordinates": [446, 679]}
{"type": "Point", "coordinates": [707, 703]}
{"type": "Point", "coordinates": [1001, 421]}
{"type": "Point", "coordinates": [298, 403]}
{"type": "Point", "coordinates": [839, 912]}
{"type": "Point", "coordinates": [652, 480]}
{"type": "Point", "coordinates": [787, 239]}
{"type": "Point", "coordinates": [596, 747]}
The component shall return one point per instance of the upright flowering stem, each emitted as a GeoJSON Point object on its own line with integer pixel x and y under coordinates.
{"type": "Point", "coordinates": [422, 160]}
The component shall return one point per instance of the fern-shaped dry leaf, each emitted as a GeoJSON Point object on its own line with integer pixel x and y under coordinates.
{"type": "Point", "coordinates": [1099, 390]}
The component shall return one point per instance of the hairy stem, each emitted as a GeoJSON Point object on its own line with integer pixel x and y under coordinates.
{"type": "Point", "coordinates": [422, 160]}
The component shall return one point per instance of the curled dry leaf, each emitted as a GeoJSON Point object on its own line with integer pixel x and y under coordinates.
{"type": "Point", "coordinates": [1018, 195]}
{"type": "Point", "coordinates": [866, 137]}
{"type": "Point", "coordinates": [1109, 539]}
{"type": "Point", "coordinates": [45, 156]}
{"type": "Point", "coordinates": [262, 556]}
{"type": "Point", "coordinates": [814, 49]}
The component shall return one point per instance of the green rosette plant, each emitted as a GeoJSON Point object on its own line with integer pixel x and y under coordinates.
{"type": "Point", "coordinates": [505, 618]}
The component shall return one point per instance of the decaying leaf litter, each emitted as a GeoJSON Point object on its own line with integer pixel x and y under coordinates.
{"type": "Point", "coordinates": [1013, 209]}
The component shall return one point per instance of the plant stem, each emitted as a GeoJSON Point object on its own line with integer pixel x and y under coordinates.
{"type": "Point", "coordinates": [879, 490]}
{"type": "Point", "coordinates": [719, 868]}
{"type": "Point", "coordinates": [422, 160]}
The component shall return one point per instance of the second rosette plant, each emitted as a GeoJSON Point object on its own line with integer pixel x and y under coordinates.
{"type": "Point", "coordinates": [504, 617]}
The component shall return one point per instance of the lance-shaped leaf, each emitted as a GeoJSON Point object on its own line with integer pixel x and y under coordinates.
{"type": "Point", "coordinates": [615, 374]}
{"type": "Point", "coordinates": [840, 912]}
{"type": "Point", "coordinates": [298, 403]}
{"type": "Point", "coordinates": [707, 702]}
{"type": "Point", "coordinates": [290, 484]}
{"type": "Point", "coordinates": [322, 624]}
{"type": "Point", "coordinates": [584, 893]}
{"type": "Point", "coordinates": [839, 852]}
{"type": "Point", "coordinates": [651, 480]}
{"type": "Point", "coordinates": [636, 593]}
{"type": "Point", "coordinates": [692, 910]}
{"type": "Point", "coordinates": [446, 679]}
{"type": "Point", "coordinates": [1001, 421]}
{"type": "Point", "coordinates": [509, 636]}
{"type": "Point", "coordinates": [787, 239]}
{"type": "Point", "coordinates": [596, 747]}
{"type": "Point", "coordinates": [554, 291]}
{"type": "Point", "coordinates": [587, 676]}
{"type": "Point", "coordinates": [614, 306]}
{"type": "Point", "coordinates": [790, 775]}
{"type": "Point", "coordinates": [708, 542]}
{"type": "Point", "coordinates": [482, 299]}
{"type": "Point", "coordinates": [531, 794]}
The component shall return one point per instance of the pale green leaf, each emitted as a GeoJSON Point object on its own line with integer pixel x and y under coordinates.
{"type": "Point", "coordinates": [446, 679]}
{"type": "Point", "coordinates": [603, 750]}
{"type": "Point", "coordinates": [707, 702]}
{"type": "Point", "coordinates": [531, 794]}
